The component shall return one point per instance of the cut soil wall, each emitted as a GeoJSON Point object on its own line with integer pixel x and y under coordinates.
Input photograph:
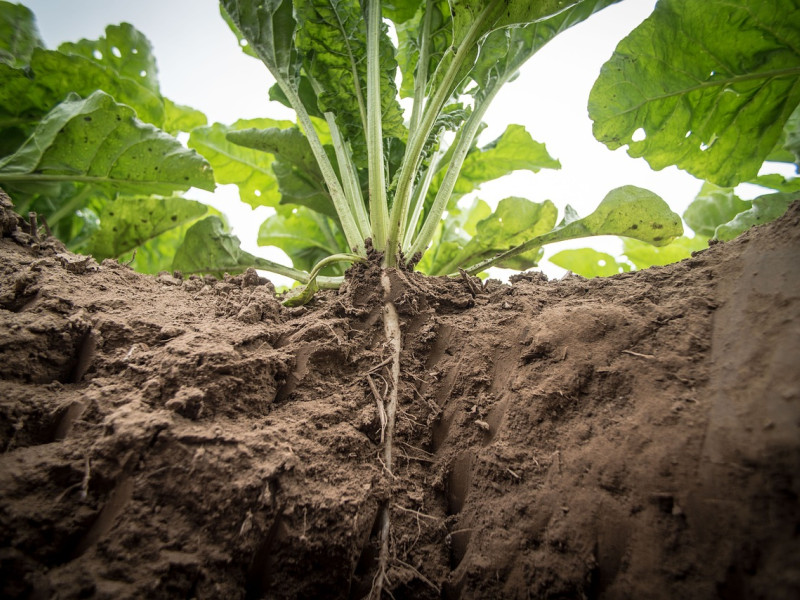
{"type": "Point", "coordinates": [636, 436]}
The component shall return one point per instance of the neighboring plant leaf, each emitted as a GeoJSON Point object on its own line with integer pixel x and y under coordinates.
{"type": "Point", "coordinates": [764, 209]}
{"type": "Point", "coordinates": [787, 148]}
{"type": "Point", "coordinates": [157, 255]}
{"type": "Point", "coordinates": [776, 182]}
{"type": "Point", "coordinates": [124, 50]}
{"type": "Point", "coordinates": [627, 211]}
{"type": "Point", "coordinates": [99, 141]}
{"type": "Point", "coordinates": [712, 207]}
{"type": "Point", "coordinates": [269, 27]}
{"type": "Point", "coordinates": [18, 34]}
{"type": "Point", "coordinates": [126, 223]}
{"type": "Point", "coordinates": [453, 233]}
{"type": "Point", "coordinates": [644, 255]}
{"type": "Point", "coordinates": [710, 82]}
{"type": "Point", "coordinates": [249, 169]}
{"type": "Point", "coordinates": [587, 262]}
{"type": "Point", "coordinates": [52, 75]}
{"type": "Point", "coordinates": [304, 236]}
{"type": "Point", "coordinates": [181, 118]}
{"type": "Point", "coordinates": [514, 221]}
{"type": "Point", "coordinates": [306, 93]}
{"type": "Point", "coordinates": [208, 248]}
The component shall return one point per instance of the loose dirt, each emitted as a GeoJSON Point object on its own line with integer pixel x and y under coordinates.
{"type": "Point", "coordinates": [630, 437]}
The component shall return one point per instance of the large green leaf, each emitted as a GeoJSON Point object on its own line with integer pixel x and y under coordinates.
{"type": "Point", "coordinates": [127, 223]}
{"type": "Point", "coordinates": [250, 170]}
{"type": "Point", "coordinates": [764, 209]}
{"type": "Point", "coordinates": [644, 255]}
{"type": "Point", "coordinates": [101, 142]}
{"type": "Point", "coordinates": [712, 207]}
{"type": "Point", "coordinates": [269, 27]}
{"type": "Point", "coordinates": [627, 211]}
{"type": "Point", "coordinates": [124, 50]}
{"type": "Point", "coordinates": [30, 94]}
{"type": "Point", "coordinates": [18, 34]}
{"type": "Point", "coordinates": [588, 262]}
{"type": "Point", "coordinates": [332, 37]}
{"type": "Point", "coordinates": [181, 118]}
{"type": "Point", "coordinates": [709, 82]}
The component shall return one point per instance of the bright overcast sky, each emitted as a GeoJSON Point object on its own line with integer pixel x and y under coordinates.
{"type": "Point", "coordinates": [201, 65]}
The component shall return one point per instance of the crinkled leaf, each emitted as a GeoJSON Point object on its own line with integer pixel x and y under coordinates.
{"type": "Point", "coordinates": [99, 141]}
{"type": "Point", "coordinates": [208, 248]}
{"type": "Point", "coordinates": [181, 118]}
{"type": "Point", "coordinates": [127, 223]}
{"type": "Point", "coordinates": [710, 82]}
{"type": "Point", "coordinates": [268, 26]}
{"type": "Point", "coordinates": [331, 35]}
{"type": "Point", "coordinates": [628, 211]}
{"type": "Point", "coordinates": [644, 255]}
{"type": "Point", "coordinates": [764, 209]}
{"type": "Point", "coordinates": [30, 95]}
{"type": "Point", "coordinates": [587, 262]}
{"type": "Point", "coordinates": [249, 169]}
{"type": "Point", "coordinates": [18, 34]}
{"type": "Point", "coordinates": [712, 207]}
{"type": "Point", "coordinates": [124, 50]}
{"type": "Point", "coordinates": [304, 236]}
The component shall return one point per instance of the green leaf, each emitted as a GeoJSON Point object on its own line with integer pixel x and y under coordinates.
{"type": "Point", "coordinates": [627, 211]}
{"type": "Point", "coordinates": [712, 207]}
{"type": "Point", "coordinates": [776, 182]}
{"type": "Point", "coordinates": [99, 141]}
{"type": "Point", "coordinates": [765, 209]}
{"type": "Point", "coordinates": [401, 11]}
{"type": "Point", "coordinates": [18, 34]}
{"type": "Point", "coordinates": [127, 223]}
{"type": "Point", "coordinates": [52, 75]}
{"type": "Point", "coordinates": [409, 36]}
{"type": "Point", "coordinates": [710, 82]}
{"type": "Point", "coordinates": [269, 27]}
{"type": "Point", "coordinates": [208, 248]}
{"type": "Point", "coordinates": [452, 234]}
{"type": "Point", "coordinates": [514, 150]}
{"type": "Point", "coordinates": [587, 262]}
{"type": "Point", "coordinates": [124, 50]}
{"type": "Point", "coordinates": [514, 221]}
{"type": "Point", "coordinates": [791, 134]}
{"type": "Point", "coordinates": [304, 236]}
{"type": "Point", "coordinates": [249, 169]}
{"type": "Point", "coordinates": [331, 35]}
{"type": "Point", "coordinates": [243, 43]}
{"type": "Point", "coordinates": [644, 255]}
{"type": "Point", "coordinates": [181, 118]}
{"type": "Point", "coordinates": [157, 254]}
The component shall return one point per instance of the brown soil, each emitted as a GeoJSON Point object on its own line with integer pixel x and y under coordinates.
{"type": "Point", "coordinates": [629, 437]}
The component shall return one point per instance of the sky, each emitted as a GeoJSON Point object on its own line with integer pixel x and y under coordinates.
{"type": "Point", "coordinates": [201, 65]}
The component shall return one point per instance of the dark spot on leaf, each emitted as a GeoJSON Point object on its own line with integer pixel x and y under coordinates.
{"type": "Point", "coordinates": [174, 218]}
{"type": "Point", "coordinates": [155, 168]}
{"type": "Point", "coordinates": [114, 229]}
{"type": "Point", "coordinates": [658, 239]}
{"type": "Point", "coordinates": [634, 227]}
{"type": "Point", "coordinates": [110, 214]}
{"type": "Point", "coordinates": [185, 178]}
{"type": "Point", "coordinates": [143, 220]}
{"type": "Point", "coordinates": [149, 149]}
{"type": "Point", "coordinates": [87, 119]}
{"type": "Point", "coordinates": [658, 226]}
{"type": "Point", "coordinates": [119, 118]}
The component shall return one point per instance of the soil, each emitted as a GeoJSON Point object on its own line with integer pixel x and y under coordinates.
{"type": "Point", "coordinates": [636, 436]}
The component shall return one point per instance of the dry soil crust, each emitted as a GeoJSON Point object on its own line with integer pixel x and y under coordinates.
{"type": "Point", "coordinates": [629, 437]}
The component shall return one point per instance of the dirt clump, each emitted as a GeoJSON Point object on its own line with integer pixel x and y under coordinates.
{"type": "Point", "coordinates": [171, 437]}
